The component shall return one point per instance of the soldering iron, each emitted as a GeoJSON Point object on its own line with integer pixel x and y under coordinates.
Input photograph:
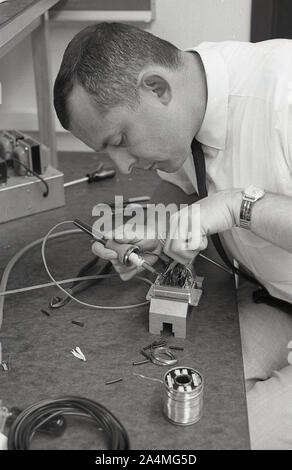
{"type": "Point", "coordinates": [127, 253]}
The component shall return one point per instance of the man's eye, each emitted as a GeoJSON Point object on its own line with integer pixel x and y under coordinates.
{"type": "Point", "coordinates": [122, 142]}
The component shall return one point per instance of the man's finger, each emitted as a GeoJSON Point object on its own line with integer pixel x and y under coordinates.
{"type": "Point", "coordinates": [149, 245]}
{"type": "Point", "coordinates": [132, 233]}
{"type": "Point", "coordinates": [122, 269]}
{"type": "Point", "coordinates": [128, 275]}
{"type": "Point", "coordinates": [105, 253]}
{"type": "Point", "coordinates": [183, 257]}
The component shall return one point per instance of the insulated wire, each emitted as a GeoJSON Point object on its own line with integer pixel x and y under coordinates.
{"type": "Point", "coordinates": [206, 258]}
{"type": "Point", "coordinates": [32, 172]}
{"type": "Point", "coordinates": [31, 245]}
{"type": "Point", "coordinates": [14, 260]}
{"type": "Point", "coordinates": [30, 419]}
{"type": "Point", "coordinates": [67, 281]}
{"type": "Point", "coordinates": [103, 307]}
{"type": "Point", "coordinates": [17, 256]}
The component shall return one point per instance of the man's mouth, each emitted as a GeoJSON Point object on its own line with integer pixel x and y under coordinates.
{"type": "Point", "coordinates": [153, 166]}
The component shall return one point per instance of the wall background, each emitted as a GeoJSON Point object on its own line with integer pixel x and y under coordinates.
{"type": "Point", "coordinates": [186, 23]}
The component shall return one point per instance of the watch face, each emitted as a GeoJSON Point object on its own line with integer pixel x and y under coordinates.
{"type": "Point", "coordinates": [254, 192]}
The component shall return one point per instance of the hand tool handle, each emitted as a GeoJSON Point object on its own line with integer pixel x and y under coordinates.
{"type": "Point", "coordinates": [127, 253]}
{"type": "Point", "coordinates": [124, 250]}
{"type": "Point", "coordinates": [100, 175]}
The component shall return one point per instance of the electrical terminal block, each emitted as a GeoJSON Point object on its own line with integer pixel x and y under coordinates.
{"type": "Point", "coordinates": [171, 295]}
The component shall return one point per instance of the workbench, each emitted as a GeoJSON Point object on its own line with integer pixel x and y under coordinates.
{"type": "Point", "coordinates": [19, 19]}
{"type": "Point", "coordinates": [38, 346]}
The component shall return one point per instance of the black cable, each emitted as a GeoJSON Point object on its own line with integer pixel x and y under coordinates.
{"type": "Point", "coordinates": [29, 420]}
{"type": "Point", "coordinates": [46, 193]}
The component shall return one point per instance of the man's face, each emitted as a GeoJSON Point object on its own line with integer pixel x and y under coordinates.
{"type": "Point", "coordinates": [152, 136]}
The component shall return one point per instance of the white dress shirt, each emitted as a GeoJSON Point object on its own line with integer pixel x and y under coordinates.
{"type": "Point", "coordinates": [246, 137]}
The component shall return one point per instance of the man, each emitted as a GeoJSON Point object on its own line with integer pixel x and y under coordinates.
{"type": "Point", "coordinates": [142, 100]}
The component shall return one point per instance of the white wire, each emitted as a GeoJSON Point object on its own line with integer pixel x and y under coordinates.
{"type": "Point", "coordinates": [17, 256]}
{"type": "Point", "coordinates": [66, 281]}
{"type": "Point", "coordinates": [101, 307]}
{"type": "Point", "coordinates": [47, 284]}
{"type": "Point", "coordinates": [148, 378]}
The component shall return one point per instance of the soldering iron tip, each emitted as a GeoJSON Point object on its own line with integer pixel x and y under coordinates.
{"type": "Point", "coordinates": [150, 268]}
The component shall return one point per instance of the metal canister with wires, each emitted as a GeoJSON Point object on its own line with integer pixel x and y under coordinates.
{"type": "Point", "coordinates": [183, 395]}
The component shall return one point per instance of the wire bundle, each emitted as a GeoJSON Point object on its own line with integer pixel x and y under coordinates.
{"type": "Point", "coordinates": [32, 418]}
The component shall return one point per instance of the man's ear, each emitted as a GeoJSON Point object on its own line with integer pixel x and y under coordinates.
{"type": "Point", "coordinates": [157, 84]}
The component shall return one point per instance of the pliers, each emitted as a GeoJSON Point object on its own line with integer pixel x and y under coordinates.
{"type": "Point", "coordinates": [79, 286]}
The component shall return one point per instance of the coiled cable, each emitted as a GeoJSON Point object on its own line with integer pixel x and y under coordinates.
{"type": "Point", "coordinates": [32, 418]}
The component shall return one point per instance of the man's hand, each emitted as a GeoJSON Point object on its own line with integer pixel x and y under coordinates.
{"type": "Point", "coordinates": [190, 227]}
{"type": "Point", "coordinates": [145, 238]}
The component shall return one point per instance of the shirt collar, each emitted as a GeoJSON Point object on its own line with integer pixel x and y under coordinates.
{"type": "Point", "coordinates": [213, 130]}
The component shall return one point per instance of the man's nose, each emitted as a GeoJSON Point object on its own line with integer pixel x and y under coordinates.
{"type": "Point", "coordinates": [122, 160]}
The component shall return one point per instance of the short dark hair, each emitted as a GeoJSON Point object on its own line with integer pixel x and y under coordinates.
{"type": "Point", "coordinates": [105, 59]}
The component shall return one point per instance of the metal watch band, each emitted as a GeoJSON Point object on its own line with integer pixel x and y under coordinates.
{"type": "Point", "coordinates": [245, 212]}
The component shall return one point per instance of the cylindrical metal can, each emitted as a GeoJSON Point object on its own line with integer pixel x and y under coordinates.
{"type": "Point", "coordinates": [183, 395]}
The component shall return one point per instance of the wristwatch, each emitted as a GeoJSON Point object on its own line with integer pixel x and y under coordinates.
{"type": "Point", "coordinates": [249, 197]}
